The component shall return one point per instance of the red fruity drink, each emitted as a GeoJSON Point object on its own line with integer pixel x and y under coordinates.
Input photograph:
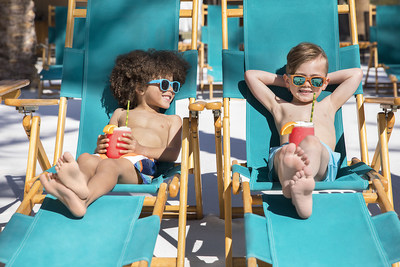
{"type": "Point", "coordinates": [301, 129]}
{"type": "Point", "coordinates": [112, 149]}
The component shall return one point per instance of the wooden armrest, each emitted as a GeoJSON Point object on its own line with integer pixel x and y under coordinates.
{"type": "Point", "coordinates": [31, 102]}
{"type": "Point", "coordinates": [197, 106]}
{"type": "Point", "coordinates": [214, 105]}
{"type": "Point", "coordinates": [393, 101]}
{"type": "Point", "coordinates": [235, 180]}
{"type": "Point", "coordinates": [7, 86]}
{"type": "Point", "coordinates": [173, 186]}
{"type": "Point", "coordinates": [372, 175]}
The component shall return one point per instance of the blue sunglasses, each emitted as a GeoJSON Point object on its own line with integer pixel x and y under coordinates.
{"type": "Point", "coordinates": [165, 84]}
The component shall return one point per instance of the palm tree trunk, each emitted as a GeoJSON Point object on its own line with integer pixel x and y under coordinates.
{"type": "Point", "coordinates": [17, 40]}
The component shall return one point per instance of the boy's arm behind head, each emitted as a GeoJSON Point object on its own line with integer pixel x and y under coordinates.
{"type": "Point", "coordinates": [258, 82]}
{"type": "Point", "coordinates": [348, 80]}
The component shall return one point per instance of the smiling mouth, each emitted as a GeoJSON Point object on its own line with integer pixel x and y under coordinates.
{"type": "Point", "coordinates": [305, 91]}
{"type": "Point", "coordinates": [167, 97]}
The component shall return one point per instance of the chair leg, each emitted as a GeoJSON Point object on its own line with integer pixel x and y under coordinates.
{"type": "Point", "coordinates": [376, 161]}
{"type": "Point", "coordinates": [371, 52]}
{"type": "Point", "coordinates": [227, 187]}
{"type": "Point", "coordinates": [36, 151]}
{"type": "Point", "coordinates": [376, 65]}
{"type": "Point", "coordinates": [211, 87]}
{"type": "Point", "coordinates": [183, 194]}
{"type": "Point", "coordinates": [32, 128]}
{"type": "Point", "coordinates": [218, 155]}
{"type": "Point", "coordinates": [382, 130]}
{"type": "Point", "coordinates": [197, 173]}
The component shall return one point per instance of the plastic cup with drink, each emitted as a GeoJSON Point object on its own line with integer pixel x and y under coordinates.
{"type": "Point", "coordinates": [113, 133]}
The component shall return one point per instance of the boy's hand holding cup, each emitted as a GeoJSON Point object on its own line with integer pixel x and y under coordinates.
{"type": "Point", "coordinates": [113, 133]}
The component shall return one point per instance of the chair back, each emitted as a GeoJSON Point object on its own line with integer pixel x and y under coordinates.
{"type": "Point", "coordinates": [388, 33]}
{"type": "Point", "coordinates": [286, 25]}
{"type": "Point", "coordinates": [213, 29]}
{"type": "Point", "coordinates": [115, 28]}
{"type": "Point", "coordinates": [59, 32]}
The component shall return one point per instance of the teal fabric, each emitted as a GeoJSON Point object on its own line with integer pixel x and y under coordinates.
{"type": "Point", "coordinates": [72, 82]}
{"type": "Point", "coordinates": [394, 70]}
{"type": "Point", "coordinates": [390, 239]}
{"type": "Point", "coordinates": [144, 237]}
{"type": "Point", "coordinates": [60, 30]}
{"type": "Point", "coordinates": [350, 58]}
{"type": "Point", "coordinates": [339, 232]}
{"type": "Point", "coordinates": [57, 35]}
{"type": "Point", "coordinates": [214, 40]}
{"type": "Point", "coordinates": [388, 37]}
{"type": "Point", "coordinates": [372, 34]}
{"type": "Point", "coordinates": [74, 70]}
{"type": "Point", "coordinates": [233, 74]}
{"type": "Point", "coordinates": [12, 235]}
{"type": "Point", "coordinates": [108, 219]}
{"type": "Point", "coordinates": [51, 35]}
{"type": "Point", "coordinates": [287, 22]}
{"type": "Point", "coordinates": [256, 235]}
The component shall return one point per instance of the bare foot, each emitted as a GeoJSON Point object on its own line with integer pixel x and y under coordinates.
{"type": "Point", "coordinates": [76, 205]}
{"type": "Point", "coordinates": [301, 187]}
{"type": "Point", "coordinates": [71, 176]}
{"type": "Point", "coordinates": [291, 159]}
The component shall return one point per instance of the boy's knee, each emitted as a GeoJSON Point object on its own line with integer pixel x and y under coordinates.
{"type": "Point", "coordinates": [311, 141]}
{"type": "Point", "coordinates": [84, 157]}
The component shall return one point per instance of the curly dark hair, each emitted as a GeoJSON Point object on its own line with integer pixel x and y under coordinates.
{"type": "Point", "coordinates": [132, 71]}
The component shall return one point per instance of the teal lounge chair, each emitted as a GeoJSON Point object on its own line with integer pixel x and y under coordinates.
{"type": "Point", "coordinates": [56, 38]}
{"type": "Point", "coordinates": [340, 232]}
{"type": "Point", "coordinates": [210, 36]}
{"type": "Point", "coordinates": [111, 228]}
{"type": "Point", "coordinates": [388, 48]}
{"type": "Point", "coordinates": [55, 42]}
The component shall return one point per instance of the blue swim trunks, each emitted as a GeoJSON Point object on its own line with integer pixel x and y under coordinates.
{"type": "Point", "coordinates": [332, 169]}
{"type": "Point", "coordinates": [146, 167]}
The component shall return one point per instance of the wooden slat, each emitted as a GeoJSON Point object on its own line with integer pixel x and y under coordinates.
{"type": "Point", "coordinates": [343, 9]}
{"type": "Point", "coordinates": [393, 101]}
{"type": "Point", "coordinates": [30, 102]}
{"type": "Point", "coordinates": [237, 12]}
{"type": "Point", "coordinates": [8, 86]}
{"type": "Point", "coordinates": [185, 13]}
{"type": "Point", "coordinates": [79, 13]}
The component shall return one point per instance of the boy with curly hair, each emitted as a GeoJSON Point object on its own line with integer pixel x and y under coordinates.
{"type": "Point", "coordinates": [314, 159]}
{"type": "Point", "coordinates": [149, 80]}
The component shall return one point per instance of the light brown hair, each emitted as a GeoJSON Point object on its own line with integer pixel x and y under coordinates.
{"type": "Point", "coordinates": [302, 53]}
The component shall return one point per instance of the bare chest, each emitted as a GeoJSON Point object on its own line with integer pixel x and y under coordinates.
{"type": "Point", "coordinates": [149, 130]}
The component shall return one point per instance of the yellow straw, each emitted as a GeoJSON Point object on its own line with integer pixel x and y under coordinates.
{"type": "Point", "coordinates": [127, 113]}
{"type": "Point", "coordinates": [312, 108]}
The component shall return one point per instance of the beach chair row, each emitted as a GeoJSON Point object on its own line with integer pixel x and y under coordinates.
{"type": "Point", "coordinates": [275, 235]}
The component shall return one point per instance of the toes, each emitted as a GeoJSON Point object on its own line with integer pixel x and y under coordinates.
{"type": "Point", "coordinates": [307, 171]}
{"type": "Point", "coordinates": [290, 148]}
{"type": "Point", "coordinates": [68, 157]}
{"type": "Point", "coordinates": [59, 163]}
{"type": "Point", "coordinates": [299, 151]}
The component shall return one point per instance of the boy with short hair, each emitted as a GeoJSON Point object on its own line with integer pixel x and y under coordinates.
{"type": "Point", "coordinates": [298, 167]}
{"type": "Point", "coordinates": [149, 80]}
